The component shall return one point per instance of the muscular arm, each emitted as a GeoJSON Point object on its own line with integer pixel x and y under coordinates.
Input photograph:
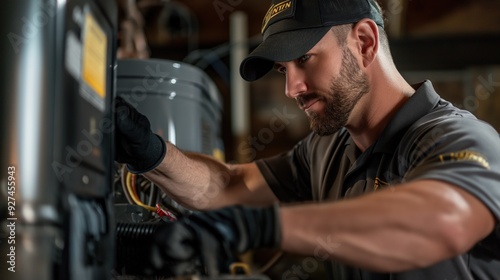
{"type": "Point", "coordinates": [200, 182]}
{"type": "Point", "coordinates": [411, 226]}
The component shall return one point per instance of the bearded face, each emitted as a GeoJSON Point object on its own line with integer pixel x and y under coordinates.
{"type": "Point", "coordinates": [345, 91]}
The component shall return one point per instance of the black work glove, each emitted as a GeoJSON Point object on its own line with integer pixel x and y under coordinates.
{"type": "Point", "coordinates": [135, 143]}
{"type": "Point", "coordinates": [212, 239]}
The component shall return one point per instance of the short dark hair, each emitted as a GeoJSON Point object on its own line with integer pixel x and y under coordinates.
{"type": "Point", "coordinates": [341, 31]}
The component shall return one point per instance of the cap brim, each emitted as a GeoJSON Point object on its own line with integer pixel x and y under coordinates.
{"type": "Point", "coordinates": [280, 47]}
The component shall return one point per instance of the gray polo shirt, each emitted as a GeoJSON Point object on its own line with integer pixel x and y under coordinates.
{"type": "Point", "coordinates": [428, 138]}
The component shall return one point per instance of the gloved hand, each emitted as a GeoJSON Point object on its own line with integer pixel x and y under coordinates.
{"type": "Point", "coordinates": [212, 239]}
{"type": "Point", "coordinates": [135, 143]}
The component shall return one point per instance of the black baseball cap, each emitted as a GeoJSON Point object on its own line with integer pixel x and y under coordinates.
{"type": "Point", "coordinates": [292, 27]}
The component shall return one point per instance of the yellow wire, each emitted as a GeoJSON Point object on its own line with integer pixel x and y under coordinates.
{"type": "Point", "coordinates": [133, 195]}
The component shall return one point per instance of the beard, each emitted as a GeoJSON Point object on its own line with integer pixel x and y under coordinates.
{"type": "Point", "coordinates": [345, 92]}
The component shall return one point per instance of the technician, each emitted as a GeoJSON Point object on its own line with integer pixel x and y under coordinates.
{"type": "Point", "coordinates": [392, 183]}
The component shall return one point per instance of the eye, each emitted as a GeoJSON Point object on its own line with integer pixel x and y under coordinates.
{"type": "Point", "coordinates": [304, 58]}
{"type": "Point", "coordinates": [280, 68]}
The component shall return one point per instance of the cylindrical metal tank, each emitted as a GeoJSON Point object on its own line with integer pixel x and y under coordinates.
{"type": "Point", "coordinates": [180, 100]}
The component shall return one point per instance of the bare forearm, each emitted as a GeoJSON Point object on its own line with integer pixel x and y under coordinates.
{"type": "Point", "coordinates": [191, 179]}
{"type": "Point", "coordinates": [200, 182]}
{"type": "Point", "coordinates": [388, 231]}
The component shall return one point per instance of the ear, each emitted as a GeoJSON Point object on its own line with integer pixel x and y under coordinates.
{"type": "Point", "coordinates": [365, 33]}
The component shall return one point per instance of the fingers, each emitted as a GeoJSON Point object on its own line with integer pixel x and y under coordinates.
{"type": "Point", "coordinates": [159, 265]}
{"type": "Point", "coordinates": [123, 111]}
{"type": "Point", "coordinates": [177, 241]}
{"type": "Point", "coordinates": [180, 249]}
{"type": "Point", "coordinates": [131, 123]}
{"type": "Point", "coordinates": [209, 256]}
{"type": "Point", "coordinates": [173, 250]}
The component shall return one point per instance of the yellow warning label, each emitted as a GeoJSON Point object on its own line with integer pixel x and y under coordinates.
{"type": "Point", "coordinates": [95, 46]}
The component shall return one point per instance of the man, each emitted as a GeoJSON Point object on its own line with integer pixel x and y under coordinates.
{"type": "Point", "coordinates": [408, 185]}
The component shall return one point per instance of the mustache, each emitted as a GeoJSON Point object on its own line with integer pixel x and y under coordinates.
{"type": "Point", "coordinates": [304, 99]}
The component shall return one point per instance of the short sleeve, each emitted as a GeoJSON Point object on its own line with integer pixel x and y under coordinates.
{"type": "Point", "coordinates": [462, 151]}
{"type": "Point", "coordinates": [288, 174]}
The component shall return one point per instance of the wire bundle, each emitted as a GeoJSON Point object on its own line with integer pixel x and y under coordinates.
{"type": "Point", "coordinates": [135, 187]}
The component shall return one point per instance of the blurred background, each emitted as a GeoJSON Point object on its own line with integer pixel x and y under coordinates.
{"type": "Point", "coordinates": [454, 43]}
{"type": "Point", "coordinates": [81, 215]}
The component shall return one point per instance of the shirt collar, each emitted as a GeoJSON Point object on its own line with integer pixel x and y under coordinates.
{"type": "Point", "coordinates": [418, 105]}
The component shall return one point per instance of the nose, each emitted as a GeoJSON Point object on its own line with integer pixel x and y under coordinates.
{"type": "Point", "coordinates": [295, 82]}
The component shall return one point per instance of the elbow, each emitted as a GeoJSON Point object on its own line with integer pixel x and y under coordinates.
{"type": "Point", "coordinates": [458, 232]}
{"type": "Point", "coordinates": [461, 222]}
{"type": "Point", "coordinates": [455, 238]}
{"type": "Point", "coordinates": [443, 239]}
